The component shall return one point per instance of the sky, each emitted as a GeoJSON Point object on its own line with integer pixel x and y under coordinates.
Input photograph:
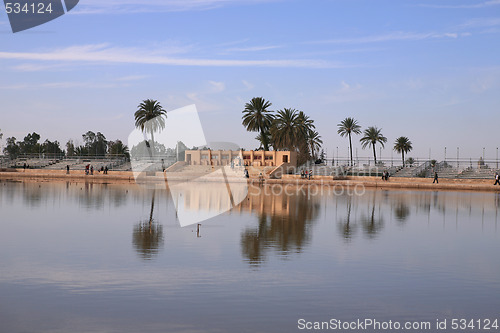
{"type": "Point", "coordinates": [425, 69]}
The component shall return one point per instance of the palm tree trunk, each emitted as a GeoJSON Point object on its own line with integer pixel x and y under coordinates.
{"type": "Point", "coordinates": [403, 154]}
{"type": "Point", "coordinates": [264, 140]}
{"type": "Point", "coordinates": [152, 209]}
{"type": "Point", "coordinates": [374, 154]}
{"type": "Point", "coordinates": [152, 149]}
{"type": "Point", "coordinates": [350, 145]}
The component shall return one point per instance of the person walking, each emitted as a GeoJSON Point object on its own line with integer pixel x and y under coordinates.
{"type": "Point", "coordinates": [497, 179]}
{"type": "Point", "coordinates": [435, 178]}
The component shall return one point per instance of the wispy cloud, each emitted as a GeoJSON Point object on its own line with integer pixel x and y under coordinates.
{"type": "Point", "coordinates": [254, 48]}
{"type": "Point", "coordinates": [394, 36]}
{"type": "Point", "coordinates": [217, 87]}
{"type": "Point", "coordinates": [59, 85]}
{"type": "Point", "coordinates": [131, 78]}
{"type": "Point", "coordinates": [248, 85]}
{"type": "Point", "coordinates": [103, 53]}
{"type": "Point", "coordinates": [481, 23]}
{"type": "Point", "coordinates": [136, 6]}
{"type": "Point", "coordinates": [30, 67]}
{"type": "Point", "coordinates": [467, 6]}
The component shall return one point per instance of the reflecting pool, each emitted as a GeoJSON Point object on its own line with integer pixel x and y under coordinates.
{"type": "Point", "coordinates": [79, 257]}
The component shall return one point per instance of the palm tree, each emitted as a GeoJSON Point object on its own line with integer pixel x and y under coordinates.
{"type": "Point", "coordinates": [346, 128]}
{"type": "Point", "coordinates": [403, 145]}
{"type": "Point", "coordinates": [257, 118]}
{"type": "Point", "coordinates": [150, 117]}
{"type": "Point", "coordinates": [315, 142]}
{"type": "Point", "coordinates": [371, 136]}
{"type": "Point", "coordinates": [285, 130]}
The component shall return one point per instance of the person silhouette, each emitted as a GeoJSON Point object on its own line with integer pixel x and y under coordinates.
{"type": "Point", "coordinates": [435, 178]}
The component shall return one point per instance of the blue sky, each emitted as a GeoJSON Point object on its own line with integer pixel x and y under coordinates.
{"type": "Point", "coordinates": [427, 69]}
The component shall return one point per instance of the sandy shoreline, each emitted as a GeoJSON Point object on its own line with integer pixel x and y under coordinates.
{"type": "Point", "coordinates": [127, 177]}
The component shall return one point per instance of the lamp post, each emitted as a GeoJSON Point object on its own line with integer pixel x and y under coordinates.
{"type": "Point", "coordinates": [445, 154]}
{"type": "Point", "coordinates": [458, 156]}
{"type": "Point", "coordinates": [497, 157]}
{"type": "Point", "coordinates": [483, 153]}
{"type": "Point", "coordinates": [337, 156]}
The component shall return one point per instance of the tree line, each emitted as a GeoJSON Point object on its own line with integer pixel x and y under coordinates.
{"type": "Point", "coordinates": [371, 136]}
{"type": "Point", "coordinates": [95, 144]}
{"type": "Point", "coordinates": [291, 129]}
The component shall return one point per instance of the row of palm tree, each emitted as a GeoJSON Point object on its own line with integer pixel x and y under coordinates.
{"type": "Point", "coordinates": [287, 129]}
{"type": "Point", "coordinates": [371, 136]}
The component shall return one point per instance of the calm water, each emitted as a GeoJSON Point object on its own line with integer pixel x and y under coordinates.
{"type": "Point", "coordinates": [83, 258]}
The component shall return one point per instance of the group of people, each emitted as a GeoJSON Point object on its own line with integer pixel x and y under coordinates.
{"type": "Point", "coordinates": [89, 169]}
{"type": "Point", "coordinates": [306, 174]}
{"type": "Point", "coordinates": [385, 175]}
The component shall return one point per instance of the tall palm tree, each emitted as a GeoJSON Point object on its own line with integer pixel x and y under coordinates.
{"type": "Point", "coordinates": [257, 118]}
{"type": "Point", "coordinates": [150, 117]}
{"type": "Point", "coordinates": [315, 142]}
{"type": "Point", "coordinates": [403, 145]}
{"type": "Point", "coordinates": [347, 127]}
{"type": "Point", "coordinates": [371, 136]}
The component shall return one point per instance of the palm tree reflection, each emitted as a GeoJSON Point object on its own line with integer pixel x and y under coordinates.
{"type": "Point", "coordinates": [401, 210]}
{"type": "Point", "coordinates": [147, 236]}
{"type": "Point", "coordinates": [372, 225]}
{"type": "Point", "coordinates": [347, 229]}
{"type": "Point", "coordinates": [286, 232]}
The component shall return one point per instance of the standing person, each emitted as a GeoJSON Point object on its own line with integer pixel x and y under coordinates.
{"type": "Point", "coordinates": [497, 179]}
{"type": "Point", "coordinates": [24, 166]}
{"type": "Point", "coordinates": [302, 173]}
{"type": "Point", "coordinates": [435, 178]}
{"type": "Point", "coordinates": [87, 169]}
{"type": "Point", "coordinates": [106, 170]}
{"type": "Point", "coordinates": [91, 170]}
{"type": "Point", "coordinates": [383, 175]}
{"type": "Point", "coordinates": [310, 174]}
{"type": "Point", "coordinates": [386, 175]}
{"type": "Point", "coordinates": [67, 169]}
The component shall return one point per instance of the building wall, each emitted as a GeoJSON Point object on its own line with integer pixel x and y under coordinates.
{"type": "Point", "coordinates": [245, 157]}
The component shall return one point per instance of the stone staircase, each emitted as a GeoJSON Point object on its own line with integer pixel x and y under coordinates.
{"type": "Point", "coordinates": [471, 173]}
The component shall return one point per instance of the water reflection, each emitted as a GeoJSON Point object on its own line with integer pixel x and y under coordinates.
{"type": "Point", "coordinates": [70, 252]}
{"type": "Point", "coordinates": [148, 235]}
{"type": "Point", "coordinates": [284, 223]}
{"type": "Point", "coordinates": [401, 210]}
{"type": "Point", "coordinates": [347, 229]}
{"type": "Point", "coordinates": [148, 239]}
{"type": "Point", "coordinates": [372, 225]}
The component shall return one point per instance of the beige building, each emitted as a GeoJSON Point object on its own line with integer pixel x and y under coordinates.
{"type": "Point", "coordinates": [259, 158]}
